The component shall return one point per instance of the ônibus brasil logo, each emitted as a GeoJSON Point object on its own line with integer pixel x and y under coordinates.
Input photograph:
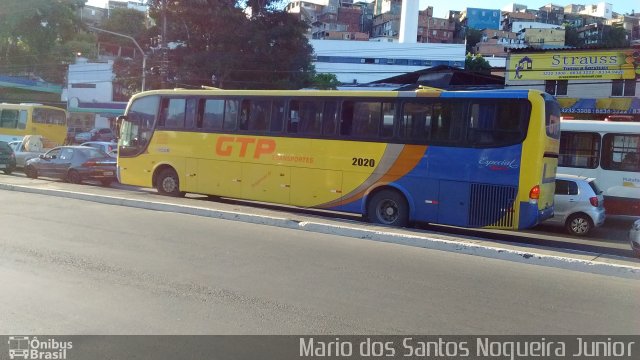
{"type": "Point", "coordinates": [24, 347]}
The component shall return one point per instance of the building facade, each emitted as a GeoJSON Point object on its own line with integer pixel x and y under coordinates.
{"type": "Point", "coordinates": [589, 84]}
{"type": "Point", "coordinates": [358, 62]}
{"type": "Point", "coordinates": [89, 94]}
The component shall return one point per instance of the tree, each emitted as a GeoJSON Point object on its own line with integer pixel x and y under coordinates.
{"type": "Point", "coordinates": [616, 37]}
{"type": "Point", "coordinates": [128, 65]}
{"type": "Point", "coordinates": [325, 81]}
{"type": "Point", "coordinates": [571, 37]}
{"type": "Point", "coordinates": [473, 38]}
{"type": "Point", "coordinates": [477, 63]}
{"type": "Point", "coordinates": [34, 37]}
{"type": "Point", "coordinates": [266, 50]}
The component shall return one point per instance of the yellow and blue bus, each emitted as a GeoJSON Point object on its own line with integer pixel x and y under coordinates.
{"type": "Point", "coordinates": [471, 159]}
{"type": "Point", "coordinates": [19, 120]}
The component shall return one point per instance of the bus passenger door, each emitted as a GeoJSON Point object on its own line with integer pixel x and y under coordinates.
{"type": "Point", "coordinates": [313, 187]}
{"type": "Point", "coordinates": [453, 203]}
{"type": "Point", "coordinates": [223, 178]}
{"type": "Point", "coordinates": [266, 183]}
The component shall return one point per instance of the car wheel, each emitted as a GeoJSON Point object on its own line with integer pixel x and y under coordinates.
{"type": "Point", "coordinates": [106, 182]}
{"type": "Point", "coordinates": [168, 183]}
{"type": "Point", "coordinates": [74, 177]}
{"type": "Point", "coordinates": [31, 172]}
{"type": "Point", "coordinates": [579, 224]}
{"type": "Point", "coordinates": [8, 171]}
{"type": "Point", "coordinates": [388, 207]}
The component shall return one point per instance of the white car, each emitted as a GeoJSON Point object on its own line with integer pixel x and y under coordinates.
{"type": "Point", "coordinates": [578, 203]}
{"type": "Point", "coordinates": [22, 156]}
{"type": "Point", "coordinates": [634, 237]}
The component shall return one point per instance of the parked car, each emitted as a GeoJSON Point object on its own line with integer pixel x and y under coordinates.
{"type": "Point", "coordinates": [7, 158]}
{"type": "Point", "coordinates": [634, 237]}
{"type": "Point", "coordinates": [74, 164]}
{"type": "Point", "coordinates": [71, 134]}
{"type": "Point", "coordinates": [28, 148]}
{"type": "Point", "coordinates": [578, 204]}
{"type": "Point", "coordinates": [98, 134]}
{"type": "Point", "coordinates": [107, 147]}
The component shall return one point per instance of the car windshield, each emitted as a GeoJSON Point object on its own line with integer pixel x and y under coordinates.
{"type": "Point", "coordinates": [595, 187]}
{"type": "Point", "coordinates": [93, 153]}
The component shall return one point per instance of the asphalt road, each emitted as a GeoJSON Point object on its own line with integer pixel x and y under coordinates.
{"type": "Point", "coordinates": [75, 267]}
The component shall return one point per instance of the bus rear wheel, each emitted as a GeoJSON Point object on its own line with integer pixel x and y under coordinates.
{"type": "Point", "coordinates": [388, 207]}
{"type": "Point", "coordinates": [168, 183]}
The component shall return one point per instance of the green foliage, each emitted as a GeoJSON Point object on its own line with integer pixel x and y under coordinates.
{"type": "Point", "coordinates": [265, 51]}
{"type": "Point", "coordinates": [616, 37]}
{"type": "Point", "coordinates": [473, 37]}
{"type": "Point", "coordinates": [325, 81]}
{"type": "Point", "coordinates": [477, 63]}
{"type": "Point", "coordinates": [571, 37]}
{"type": "Point", "coordinates": [34, 36]}
{"type": "Point", "coordinates": [129, 22]}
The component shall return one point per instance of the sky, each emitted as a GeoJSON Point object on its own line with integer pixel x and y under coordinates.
{"type": "Point", "coordinates": [441, 8]}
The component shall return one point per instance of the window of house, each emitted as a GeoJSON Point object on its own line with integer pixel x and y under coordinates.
{"type": "Point", "coordinates": [579, 150]}
{"type": "Point", "coordinates": [556, 87]}
{"type": "Point", "coordinates": [623, 87]}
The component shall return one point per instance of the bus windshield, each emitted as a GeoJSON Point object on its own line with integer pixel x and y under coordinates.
{"type": "Point", "coordinates": [137, 127]}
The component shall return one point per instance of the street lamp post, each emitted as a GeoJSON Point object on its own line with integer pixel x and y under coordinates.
{"type": "Point", "coordinates": [144, 56]}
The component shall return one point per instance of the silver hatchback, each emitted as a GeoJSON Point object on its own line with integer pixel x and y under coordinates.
{"type": "Point", "coordinates": [578, 204]}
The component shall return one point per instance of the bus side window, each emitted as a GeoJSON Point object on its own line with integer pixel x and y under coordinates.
{"type": "Point", "coordinates": [346, 118]}
{"type": "Point", "coordinates": [293, 119]}
{"type": "Point", "coordinates": [22, 119]}
{"type": "Point", "coordinates": [245, 113]}
{"type": "Point", "coordinates": [230, 115]}
{"type": "Point", "coordinates": [330, 119]}
{"type": "Point", "coordinates": [190, 113]}
{"type": "Point", "coordinates": [620, 152]}
{"type": "Point", "coordinates": [173, 113]}
{"type": "Point", "coordinates": [9, 119]}
{"type": "Point", "coordinates": [310, 117]}
{"type": "Point", "coordinates": [212, 114]}
{"type": "Point", "coordinates": [388, 114]}
{"type": "Point", "coordinates": [416, 122]}
{"type": "Point", "coordinates": [366, 119]}
{"type": "Point", "coordinates": [260, 111]}
{"type": "Point", "coordinates": [446, 124]}
{"type": "Point", "coordinates": [277, 116]}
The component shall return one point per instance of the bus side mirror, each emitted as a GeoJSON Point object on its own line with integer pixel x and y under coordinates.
{"type": "Point", "coordinates": [120, 119]}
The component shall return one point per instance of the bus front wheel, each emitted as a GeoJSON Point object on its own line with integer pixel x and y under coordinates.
{"type": "Point", "coordinates": [168, 183]}
{"type": "Point", "coordinates": [388, 207]}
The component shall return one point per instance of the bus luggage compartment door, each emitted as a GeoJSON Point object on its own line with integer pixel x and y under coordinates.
{"type": "Point", "coordinates": [453, 203]}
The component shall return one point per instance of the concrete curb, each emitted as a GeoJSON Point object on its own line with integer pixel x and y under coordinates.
{"type": "Point", "coordinates": [426, 242]}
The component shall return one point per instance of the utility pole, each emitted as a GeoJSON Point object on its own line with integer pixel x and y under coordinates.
{"type": "Point", "coordinates": [164, 67]}
{"type": "Point", "coordinates": [144, 56]}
